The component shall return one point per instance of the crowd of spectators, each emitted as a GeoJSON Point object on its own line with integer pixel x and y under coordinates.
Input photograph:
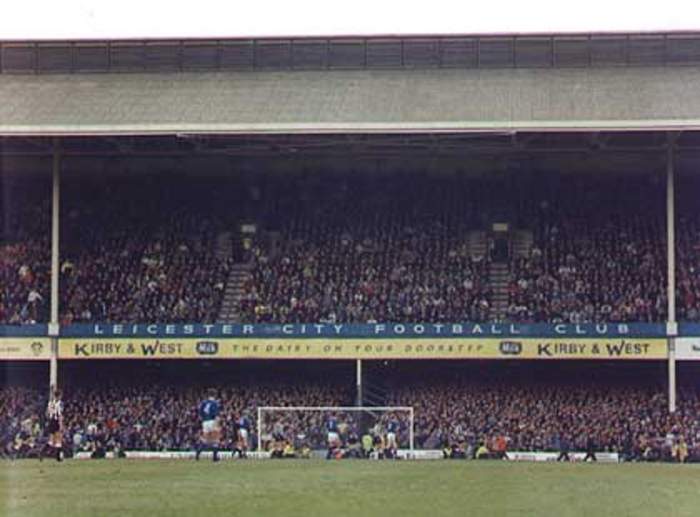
{"type": "Point", "coordinates": [599, 255]}
{"type": "Point", "coordinates": [24, 281]}
{"type": "Point", "coordinates": [21, 421]}
{"type": "Point", "coordinates": [540, 416]}
{"type": "Point", "coordinates": [162, 418]}
{"type": "Point", "coordinates": [466, 410]}
{"type": "Point", "coordinates": [165, 418]}
{"type": "Point", "coordinates": [688, 279]}
{"type": "Point", "coordinates": [688, 253]}
{"type": "Point", "coordinates": [360, 249]}
{"type": "Point", "coordinates": [362, 252]}
{"type": "Point", "coordinates": [25, 253]}
{"type": "Point", "coordinates": [136, 278]}
{"type": "Point", "coordinates": [542, 412]}
{"type": "Point", "coordinates": [141, 252]}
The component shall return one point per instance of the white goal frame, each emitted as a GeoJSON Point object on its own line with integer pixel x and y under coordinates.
{"type": "Point", "coordinates": [356, 409]}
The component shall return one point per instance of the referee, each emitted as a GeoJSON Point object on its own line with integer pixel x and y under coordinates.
{"type": "Point", "coordinates": [54, 414]}
{"type": "Point", "coordinates": [591, 446]}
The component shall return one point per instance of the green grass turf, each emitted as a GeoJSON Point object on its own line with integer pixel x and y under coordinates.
{"type": "Point", "coordinates": [314, 487]}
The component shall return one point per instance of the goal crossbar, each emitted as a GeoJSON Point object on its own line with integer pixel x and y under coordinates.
{"type": "Point", "coordinates": [366, 409]}
{"type": "Point", "coordinates": [335, 408]}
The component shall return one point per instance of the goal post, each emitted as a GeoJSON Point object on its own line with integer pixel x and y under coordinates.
{"type": "Point", "coordinates": [374, 413]}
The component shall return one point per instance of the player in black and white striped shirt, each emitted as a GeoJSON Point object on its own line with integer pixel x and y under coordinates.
{"type": "Point", "coordinates": [54, 428]}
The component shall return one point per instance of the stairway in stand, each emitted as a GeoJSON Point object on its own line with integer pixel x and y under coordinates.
{"type": "Point", "coordinates": [230, 245]}
{"type": "Point", "coordinates": [240, 273]}
{"type": "Point", "coordinates": [375, 392]}
{"type": "Point", "coordinates": [498, 280]}
{"type": "Point", "coordinates": [477, 243]}
{"type": "Point", "coordinates": [224, 246]}
{"type": "Point", "coordinates": [522, 243]}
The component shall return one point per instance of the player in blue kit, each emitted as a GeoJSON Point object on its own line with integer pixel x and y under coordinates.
{"type": "Point", "coordinates": [209, 411]}
{"type": "Point", "coordinates": [392, 429]}
{"type": "Point", "coordinates": [333, 435]}
{"type": "Point", "coordinates": [242, 435]}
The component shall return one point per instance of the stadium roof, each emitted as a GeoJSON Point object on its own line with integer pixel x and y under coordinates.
{"type": "Point", "coordinates": [351, 101]}
{"type": "Point", "coordinates": [354, 53]}
{"type": "Point", "coordinates": [499, 83]}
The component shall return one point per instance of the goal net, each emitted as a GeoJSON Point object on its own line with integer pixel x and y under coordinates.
{"type": "Point", "coordinates": [307, 427]}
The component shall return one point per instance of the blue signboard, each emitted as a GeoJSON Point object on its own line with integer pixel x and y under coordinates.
{"type": "Point", "coordinates": [375, 330]}
{"type": "Point", "coordinates": [355, 330]}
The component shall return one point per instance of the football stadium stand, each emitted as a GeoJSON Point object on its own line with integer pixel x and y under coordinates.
{"type": "Point", "coordinates": [620, 410]}
{"type": "Point", "coordinates": [355, 254]}
{"type": "Point", "coordinates": [522, 211]}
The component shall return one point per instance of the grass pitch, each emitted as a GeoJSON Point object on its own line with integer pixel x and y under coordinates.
{"type": "Point", "coordinates": [338, 488]}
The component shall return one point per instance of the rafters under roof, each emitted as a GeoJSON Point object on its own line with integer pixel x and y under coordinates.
{"type": "Point", "coordinates": [428, 144]}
